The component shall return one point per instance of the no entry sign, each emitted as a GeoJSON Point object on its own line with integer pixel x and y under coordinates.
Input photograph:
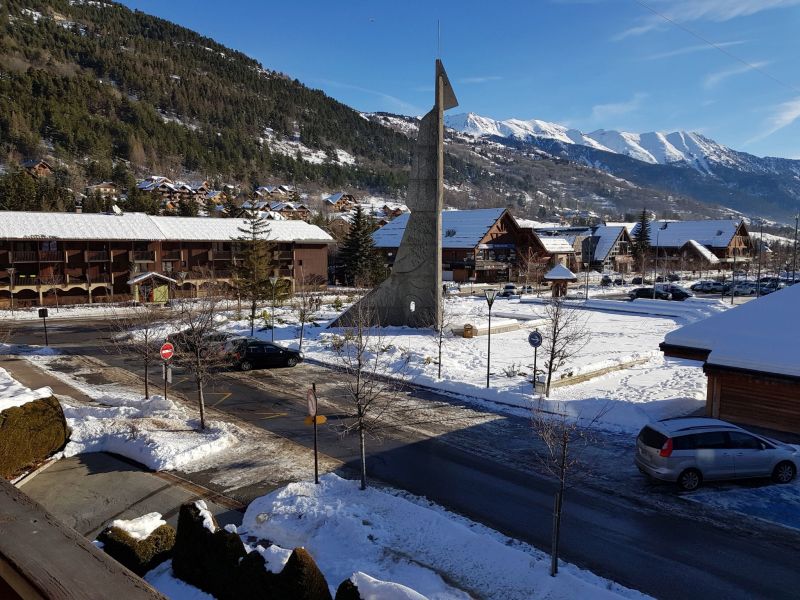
{"type": "Point", "coordinates": [167, 350]}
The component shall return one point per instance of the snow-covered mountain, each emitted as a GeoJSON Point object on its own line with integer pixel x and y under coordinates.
{"type": "Point", "coordinates": [690, 149]}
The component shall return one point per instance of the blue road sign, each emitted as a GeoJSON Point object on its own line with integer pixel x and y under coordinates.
{"type": "Point", "coordinates": [535, 339]}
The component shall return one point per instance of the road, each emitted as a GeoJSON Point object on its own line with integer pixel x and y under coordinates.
{"type": "Point", "coordinates": [650, 541]}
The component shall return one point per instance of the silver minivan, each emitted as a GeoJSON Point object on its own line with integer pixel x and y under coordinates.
{"type": "Point", "coordinates": [688, 450]}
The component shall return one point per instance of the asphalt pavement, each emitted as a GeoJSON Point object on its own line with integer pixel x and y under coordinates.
{"type": "Point", "coordinates": [666, 549]}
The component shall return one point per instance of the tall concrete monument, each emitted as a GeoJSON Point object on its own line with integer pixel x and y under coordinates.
{"type": "Point", "coordinates": [412, 294]}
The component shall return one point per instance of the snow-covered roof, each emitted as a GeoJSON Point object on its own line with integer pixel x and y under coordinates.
{"type": "Point", "coordinates": [556, 245]}
{"type": "Point", "coordinates": [560, 273]}
{"type": "Point", "coordinates": [460, 228]}
{"type": "Point", "coordinates": [710, 233]}
{"type": "Point", "coordinates": [629, 226]}
{"type": "Point", "coordinates": [604, 238]}
{"type": "Point", "coordinates": [150, 275]}
{"type": "Point", "coordinates": [760, 335]}
{"type": "Point", "coordinates": [334, 198]}
{"type": "Point", "coordinates": [703, 251]}
{"type": "Point", "coordinates": [531, 224]}
{"type": "Point", "coordinates": [139, 226]}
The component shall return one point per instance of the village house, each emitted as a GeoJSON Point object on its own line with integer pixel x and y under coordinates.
{"type": "Point", "coordinates": [751, 357]}
{"type": "Point", "coordinates": [91, 257]}
{"type": "Point", "coordinates": [339, 202]}
{"type": "Point", "coordinates": [482, 245]}
{"type": "Point", "coordinates": [37, 168]}
{"type": "Point", "coordinates": [104, 189]}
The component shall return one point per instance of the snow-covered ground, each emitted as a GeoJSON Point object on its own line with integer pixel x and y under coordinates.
{"type": "Point", "coordinates": [13, 393]}
{"type": "Point", "coordinates": [156, 432]}
{"type": "Point", "coordinates": [398, 538]}
{"type": "Point", "coordinates": [648, 386]}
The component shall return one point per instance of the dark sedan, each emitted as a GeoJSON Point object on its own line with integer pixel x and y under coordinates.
{"type": "Point", "coordinates": [256, 354]}
{"type": "Point", "coordinates": [647, 293]}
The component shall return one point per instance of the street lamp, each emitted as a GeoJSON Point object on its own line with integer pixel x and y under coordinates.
{"type": "Point", "coordinates": [490, 296]}
{"type": "Point", "coordinates": [11, 271]}
{"type": "Point", "coordinates": [273, 280]}
{"type": "Point", "coordinates": [655, 263]}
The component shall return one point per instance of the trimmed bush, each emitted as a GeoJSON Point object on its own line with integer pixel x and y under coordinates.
{"type": "Point", "coordinates": [301, 578]}
{"type": "Point", "coordinates": [29, 434]}
{"type": "Point", "coordinates": [140, 556]}
{"type": "Point", "coordinates": [347, 591]}
{"type": "Point", "coordinates": [217, 563]}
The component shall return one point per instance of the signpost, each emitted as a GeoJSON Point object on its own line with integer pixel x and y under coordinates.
{"type": "Point", "coordinates": [315, 419]}
{"type": "Point", "coordinates": [167, 352]}
{"type": "Point", "coordinates": [43, 316]}
{"type": "Point", "coordinates": [535, 340]}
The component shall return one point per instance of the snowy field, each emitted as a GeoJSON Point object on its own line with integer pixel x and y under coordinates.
{"type": "Point", "coordinates": [396, 546]}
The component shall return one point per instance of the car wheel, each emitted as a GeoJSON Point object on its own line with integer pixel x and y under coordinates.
{"type": "Point", "coordinates": [291, 361]}
{"type": "Point", "coordinates": [245, 365]}
{"type": "Point", "coordinates": [690, 480]}
{"type": "Point", "coordinates": [783, 472]}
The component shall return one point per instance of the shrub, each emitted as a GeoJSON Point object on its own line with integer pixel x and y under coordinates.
{"type": "Point", "coordinates": [29, 434]}
{"type": "Point", "coordinates": [347, 591]}
{"type": "Point", "coordinates": [337, 304]}
{"type": "Point", "coordinates": [301, 578]}
{"type": "Point", "coordinates": [140, 556]}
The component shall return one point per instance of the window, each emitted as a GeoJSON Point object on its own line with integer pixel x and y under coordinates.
{"type": "Point", "coordinates": [652, 438]}
{"type": "Point", "coordinates": [710, 440]}
{"type": "Point", "coordinates": [744, 440]}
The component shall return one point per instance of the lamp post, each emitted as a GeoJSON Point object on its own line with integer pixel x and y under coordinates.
{"type": "Point", "coordinates": [490, 296]}
{"type": "Point", "coordinates": [794, 259]}
{"type": "Point", "coordinates": [273, 280]}
{"type": "Point", "coordinates": [11, 271]}
{"type": "Point", "coordinates": [655, 262]}
{"type": "Point", "coordinates": [586, 270]}
{"type": "Point", "coordinates": [760, 248]}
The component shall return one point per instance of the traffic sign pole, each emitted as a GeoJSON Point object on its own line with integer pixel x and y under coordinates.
{"type": "Point", "coordinates": [43, 315]}
{"type": "Point", "coordinates": [535, 340]}
{"type": "Point", "coordinates": [314, 417]}
{"type": "Point", "coordinates": [167, 352]}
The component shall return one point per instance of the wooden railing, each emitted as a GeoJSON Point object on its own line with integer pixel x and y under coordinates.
{"type": "Point", "coordinates": [24, 256]}
{"type": "Point", "coordinates": [144, 256]}
{"type": "Point", "coordinates": [51, 256]}
{"type": "Point", "coordinates": [96, 256]}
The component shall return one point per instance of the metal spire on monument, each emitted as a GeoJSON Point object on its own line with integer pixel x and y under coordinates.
{"type": "Point", "coordinates": [412, 294]}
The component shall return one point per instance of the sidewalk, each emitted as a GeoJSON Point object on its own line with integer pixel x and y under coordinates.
{"type": "Point", "coordinates": [34, 377]}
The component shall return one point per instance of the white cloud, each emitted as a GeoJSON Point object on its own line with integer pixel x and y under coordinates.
{"type": "Point", "coordinates": [603, 112]}
{"type": "Point", "coordinates": [394, 104]}
{"type": "Point", "coordinates": [714, 79]}
{"type": "Point", "coordinates": [686, 11]}
{"type": "Point", "coordinates": [691, 50]}
{"type": "Point", "coordinates": [784, 115]}
{"type": "Point", "coordinates": [485, 79]}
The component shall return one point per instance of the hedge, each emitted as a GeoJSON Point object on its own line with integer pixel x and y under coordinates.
{"type": "Point", "coordinates": [29, 434]}
{"type": "Point", "coordinates": [140, 556]}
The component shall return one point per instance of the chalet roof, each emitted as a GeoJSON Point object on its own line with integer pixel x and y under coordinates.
{"type": "Point", "coordinates": [560, 273]}
{"type": "Point", "coordinates": [760, 335]}
{"type": "Point", "coordinates": [150, 275]}
{"type": "Point", "coordinates": [334, 198]}
{"type": "Point", "coordinates": [709, 233]}
{"type": "Point", "coordinates": [703, 251]}
{"type": "Point", "coordinates": [604, 238]}
{"type": "Point", "coordinates": [32, 162]}
{"type": "Point", "coordinates": [460, 228]}
{"type": "Point", "coordinates": [141, 227]}
{"type": "Point", "coordinates": [556, 245]}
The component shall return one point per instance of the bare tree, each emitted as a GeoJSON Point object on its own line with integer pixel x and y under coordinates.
{"type": "Point", "coordinates": [564, 335]}
{"type": "Point", "coordinates": [307, 304]}
{"type": "Point", "coordinates": [54, 280]}
{"type": "Point", "coordinates": [443, 332]}
{"type": "Point", "coordinates": [371, 366]}
{"type": "Point", "coordinates": [196, 351]}
{"type": "Point", "coordinates": [564, 440]}
{"type": "Point", "coordinates": [140, 333]}
{"type": "Point", "coordinates": [531, 267]}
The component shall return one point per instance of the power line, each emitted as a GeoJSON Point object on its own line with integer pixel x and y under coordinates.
{"type": "Point", "coordinates": [730, 55]}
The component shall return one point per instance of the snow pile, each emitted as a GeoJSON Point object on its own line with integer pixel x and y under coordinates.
{"type": "Point", "coordinates": [141, 527]}
{"type": "Point", "coordinates": [407, 543]}
{"type": "Point", "coordinates": [165, 582]}
{"type": "Point", "coordinates": [155, 432]}
{"type": "Point", "coordinates": [13, 393]}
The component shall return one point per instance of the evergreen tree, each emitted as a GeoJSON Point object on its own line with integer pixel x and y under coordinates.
{"type": "Point", "coordinates": [360, 262]}
{"type": "Point", "coordinates": [641, 241]}
{"type": "Point", "coordinates": [254, 268]}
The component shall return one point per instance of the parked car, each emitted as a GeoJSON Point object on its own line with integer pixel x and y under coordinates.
{"type": "Point", "coordinates": [211, 343]}
{"type": "Point", "coordinates": [639, 281]}
{"type": "Point", "coordinates": [676, 292]}
{"type": "Point", "coordinates": [702, 286]}
{"type": "Point", "coordinates": [619, 281]}
{"type": "Point", "coordinates": [647, 292]}
{"type": "Point", "coordinates": [745, 288]}
{"type": "Point", "coordinates": [690, 450]}
{"type": "Point", "coordinates": [249, 353]}
{"type": "Point", "coordinates": [772, 287]}
{"type": "Point", "coordinates": [508, 290]}
{"type": "Point", "coordinates": [606, 280]}
{"type": "Point", "coordinates": [716, 287]}
{"type": "Point", "coordinates": [674, 277]}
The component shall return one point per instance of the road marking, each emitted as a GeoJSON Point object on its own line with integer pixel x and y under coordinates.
{"type": "Point", "coordinates": [225, 396]}
{"type": "Point", "coordinates": [272, 415]}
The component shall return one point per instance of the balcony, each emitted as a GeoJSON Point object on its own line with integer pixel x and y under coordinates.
{"type": "Point", "coordinates": [144, 256]}
{"type": "Point", "coordinates": [171, 255]}
{"type": "Point", "coordinates": [222, 254]}
{"type": "Point", "coordinates": [19, 256]}
{"type": "Point", "coordinates": [96, 256]}
{"type": "Point", "coordinates": [51, 256]}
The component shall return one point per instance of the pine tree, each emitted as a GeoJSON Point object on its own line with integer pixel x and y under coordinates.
{"type": "Point", "coordinates": [641, 241]}
{"type": "Point", "coordinates": [361, 264]}
{"type": "Point", "coordinates": [254, 268]}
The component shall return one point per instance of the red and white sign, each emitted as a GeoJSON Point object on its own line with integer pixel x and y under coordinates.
{"type": "Point", "coordinates": [167, 350]}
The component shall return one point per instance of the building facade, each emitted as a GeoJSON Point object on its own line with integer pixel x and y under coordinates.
{"type": "Point", "coordinates": [82, 258]}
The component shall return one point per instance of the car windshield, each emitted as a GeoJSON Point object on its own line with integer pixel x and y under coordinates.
{"type": "Point", "coordinates": [652, 438]}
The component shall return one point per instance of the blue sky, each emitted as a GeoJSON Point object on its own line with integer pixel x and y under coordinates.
{"type": "Point", "coordinates": [590, 64]}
